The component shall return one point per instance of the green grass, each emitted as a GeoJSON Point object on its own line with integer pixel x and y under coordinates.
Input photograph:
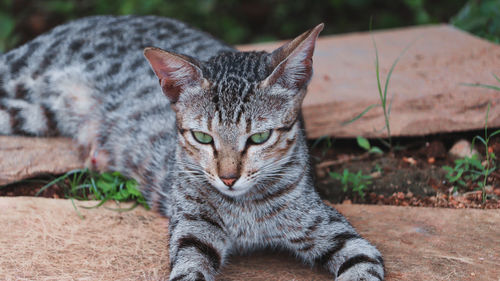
{"type": "Point", "coordinates": [83, 184]}
{"type": "Point", "coordinates": [357, 182]}
{"type": "Point", "coordinates": [382, 90]}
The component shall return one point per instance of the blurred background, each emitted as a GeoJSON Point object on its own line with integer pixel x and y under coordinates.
{"type": "Point", "coordinates": [248, 21]}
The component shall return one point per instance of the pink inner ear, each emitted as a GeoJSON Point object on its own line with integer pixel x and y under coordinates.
{"type": "Point", "coordinates": [173, 71]}
{"type": "Point", "coordinates": [170, 90]}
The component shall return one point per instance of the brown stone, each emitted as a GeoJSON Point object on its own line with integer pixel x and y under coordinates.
{"type": "Point", "coordinates": [45, 239]}
{"type": "Point", "coordinates": [24, 157]}
{"type": "Point", "coordinates": [426, 84]}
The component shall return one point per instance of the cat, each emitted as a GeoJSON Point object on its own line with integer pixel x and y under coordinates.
{"type": "Point", "coordinates": [218, 146]}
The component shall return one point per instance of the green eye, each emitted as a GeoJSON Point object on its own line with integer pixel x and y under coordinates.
{"type": "Point", "coordinates": [260, 137]}
{"type": "Point", "coordinates": [202, 137]}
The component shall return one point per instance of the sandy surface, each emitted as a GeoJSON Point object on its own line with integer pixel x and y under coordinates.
{"type": "Point", "coordinates": [45, 239]}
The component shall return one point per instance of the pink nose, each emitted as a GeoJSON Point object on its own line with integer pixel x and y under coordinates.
{"type": "Point", "coordinates": [229, 181]}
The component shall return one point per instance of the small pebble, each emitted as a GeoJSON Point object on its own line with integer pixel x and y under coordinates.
{"type": "Point", "coordinates": [461, 149]}
{"type": "Point", "coordinates": [497, 191]}
{"type": "Point", "coordinates": [410, 160]}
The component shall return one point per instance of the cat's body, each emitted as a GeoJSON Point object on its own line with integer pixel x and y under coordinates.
{"type": "Point", "coordinates": [224, 156]}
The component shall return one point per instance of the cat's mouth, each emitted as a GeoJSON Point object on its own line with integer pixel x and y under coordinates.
{"type": "Point", "coordinates": [239, 188]}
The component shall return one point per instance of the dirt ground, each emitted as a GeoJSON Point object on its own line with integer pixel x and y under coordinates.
{"type": "Point", "coordinates": [409, 176]}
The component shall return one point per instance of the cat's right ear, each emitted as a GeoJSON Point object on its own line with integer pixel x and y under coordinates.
{"type": "Point", "coordinates": [292, 62]}
{"type": "Point", "coordinates": [175, 72]}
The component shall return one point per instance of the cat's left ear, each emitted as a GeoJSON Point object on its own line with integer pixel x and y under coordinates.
{"type": "Point", "coordinates": [292, 62]}
{"type": "Point", "coordinates": [175, 72]}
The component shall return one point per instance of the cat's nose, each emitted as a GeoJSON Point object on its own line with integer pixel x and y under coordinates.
{"type": "Point", "coordinates": [229, 181]}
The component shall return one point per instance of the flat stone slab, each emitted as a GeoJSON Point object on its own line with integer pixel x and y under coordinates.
{"type": "Point", "coordinates": [45, 239]}
{"type": "Point", "coordinates": [426, 84]}
{"type": "Point", "coordinates": [23, 157]}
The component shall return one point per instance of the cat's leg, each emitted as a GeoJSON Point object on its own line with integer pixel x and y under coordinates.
{"type": "Point", "coordinates": [329, 241]}
{"type": "Point", "coordinates": [198, 246]}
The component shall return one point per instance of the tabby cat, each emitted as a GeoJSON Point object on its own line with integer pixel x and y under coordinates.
{"type": "Point", "coordinates": [219, 149]}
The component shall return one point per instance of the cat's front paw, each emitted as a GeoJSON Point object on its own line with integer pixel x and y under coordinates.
{"type": "Point", "coordinates": [362, 272]}
{"type": "Point", "coordinates": [191, 276]}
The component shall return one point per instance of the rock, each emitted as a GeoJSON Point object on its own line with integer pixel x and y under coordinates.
{"type": "Point", "coordinates": [417, 244]}
{"type": "Point", "coordinates": [461, 149]}
{"type": "Point", "coordinates": [25, 157]}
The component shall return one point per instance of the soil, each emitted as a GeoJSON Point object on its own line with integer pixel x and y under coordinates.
{"type": "Point", "coordinates": [410, 175]}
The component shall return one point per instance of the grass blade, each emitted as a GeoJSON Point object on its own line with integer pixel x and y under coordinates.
{"type": "Point", "coordinates": [386, 143]}
{"type": "Point", "coordinates": [98, 205]}
{"type": "Point", "coordinates": [390, 104]}
{"type": "Point", "coordinates": [76, 209]}
{"type": "Point", "coordinates": [496, 77]}
{"type": "Point", "coordinates": [386, 86]}
{"type": "Point", "coordinates": [376, 59]}
{"type": "Point", "coordinates": [474, 140]}
{"type": "Point", "coordinates": [360, 115]}
{"type": "Point", "coordinates": [56, 180]}
{"type": "Point", "coordinates": [494, 133]}
{"type": "Point", "coordinates": [479, 85]}
{"type": "Point", "coordinates": [377, 71]}
{"type": "Point", "coordinates": [121, 210]}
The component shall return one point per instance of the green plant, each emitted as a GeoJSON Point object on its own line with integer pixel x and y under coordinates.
{"type": "Point", "coordinates": [481, 18]}
{"type": "Point", "coordinates": [470, 168]}
{"type": "Point", "coordinates": [467, 169]}
{"type": "Point", "coordinates": [357, 182]}
{"type": "Point", "coordinates": [365, 144]}
{"type": "Point", "coordinates": [490, 157]}
{"type": "Point", "coordinates": [385, 103]}
{"type": "Point", "coordinates": [83, 184]}
{"type": "Point", "coordinates": [8, 38]}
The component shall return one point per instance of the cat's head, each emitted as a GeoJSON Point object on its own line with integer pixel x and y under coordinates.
{"type": "Point", "coordinates": [237, 113]}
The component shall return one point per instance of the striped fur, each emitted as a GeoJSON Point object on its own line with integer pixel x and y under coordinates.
{"type": "Point", "coordinates": [88, 80]}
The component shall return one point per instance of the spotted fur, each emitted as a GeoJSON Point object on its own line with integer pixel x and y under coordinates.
{"type": "Point", "coordinates": [88, 79]}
